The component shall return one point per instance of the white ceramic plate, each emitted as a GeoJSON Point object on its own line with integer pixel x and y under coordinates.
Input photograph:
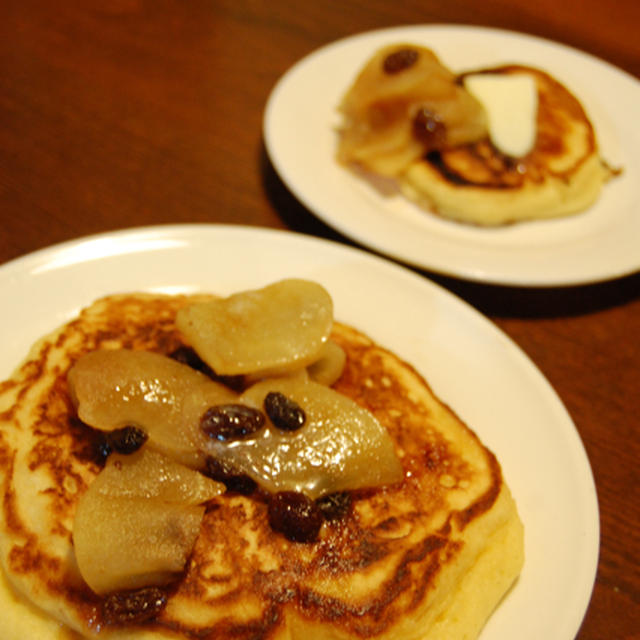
{"type": "Point", "coordinates": [471, 365]}
{"type": "Point", "coordinates": [599, 244]}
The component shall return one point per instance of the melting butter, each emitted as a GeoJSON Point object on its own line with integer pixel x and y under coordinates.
{"type": "Point", "coordinates": [511, 103]}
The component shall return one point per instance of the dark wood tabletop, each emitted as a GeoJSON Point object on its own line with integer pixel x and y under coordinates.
{"type": "Point", "coordinates": [125, 113]}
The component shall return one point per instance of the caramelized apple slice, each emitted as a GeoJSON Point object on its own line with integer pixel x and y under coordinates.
{"type": "Point", "coordinates": [128, 543]}
{"type": "Point", "coordinates": [150, 474]}
{"type": "Point", "coordinates": [403, 103]}
{"type": "Point", "coordinates": [165, 398]}
{"type": "Point", "coordinates": [328, 368]}
{"type": "Point", "coordinates": [340, 445]}
{"type": "Point", "coordinates": [277, 329]}
{"type": "Point", "coordinates": [138, 521]}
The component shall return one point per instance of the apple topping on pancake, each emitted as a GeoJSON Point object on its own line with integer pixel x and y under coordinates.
{"type": "Point", "coordinates": [187, 416]}
{"type": "Point", "coordinates": [328, 495]}
{"type": "Point", "coordinates": [115, 388]}
{"type": "Point", "coordinates": [487, 146]}
{"type": "Point", "coordinates": [287, 434]}
{"type": "Point", "coordinates": [138, 521]}
{"type": "Point", "coordinates": [336, 446]}
{"type": "Point", "coordinates": [339, 445]}
{"type": "Point", "coordinates": [403, 101]}
{"type": "Point", "coordinates": [279, 328]}
{"type": "Point", "coordinates": [328, 367]}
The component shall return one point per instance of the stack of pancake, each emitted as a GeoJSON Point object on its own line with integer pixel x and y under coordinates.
{"type": "Point", "coordinates": [427, 557]}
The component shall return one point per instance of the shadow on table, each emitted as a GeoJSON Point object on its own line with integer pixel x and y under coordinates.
{"type": "Point", "coordinates": [492, 300]}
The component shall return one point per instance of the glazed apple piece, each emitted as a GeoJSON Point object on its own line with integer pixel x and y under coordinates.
{"type": "Point", "coordinates": [336, 446]}
{"type": "Point", "coordinates": [128, 543]}
{"type": "Point", "coordinates": [328, 368]}
{"type": "Point", "coordinates": [138, 521]}
{"type": "Point", "coordinates": [117, 388]}
{"type": "Point", "coordinates": [403, 103]}
{"type": "Point", "coordinates": [325, 370]}
{"type": "Point", "coordinates": [274, 330]}
{"type": "Point", "coordinates": [151, 475]}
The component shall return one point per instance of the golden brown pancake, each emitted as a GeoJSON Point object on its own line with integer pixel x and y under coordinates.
{"type": "Point", "coordinates": [414, 123]}
{"type": "Point", "coordinates": [476, 183]}
{"type": "Point", "coordinates": [426, 558]}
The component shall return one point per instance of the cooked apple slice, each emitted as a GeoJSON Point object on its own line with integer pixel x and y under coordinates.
{"type": "Point", "coordinates": [328, 368]}
{"type": "Point", "coordinates": [129, 543]}
{"type": "Point", "coordinates": [404, 103]}
{"type": "Point", "coordinates": [116, 388]}
{"type": "Point", "coordinates": [267, 331]}
{"type": "Point", "coordinates": [150, 474]}
{"type": "Point", "coordinates": [138, 521]}
{"type": "Point", "coordinates": [339, 446]}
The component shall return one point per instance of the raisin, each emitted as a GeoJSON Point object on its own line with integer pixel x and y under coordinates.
{"type": "Point", "coordinates": [429, 129]}
{"type": "Point", "coordinates": [224, 472]}
{"type": "Point", "coordinates": [399, 60]}
{"type": "Point", "coordinates": [231, 421]}
{"type": "Point", "coordinates": [127, 440]}
{"type": "Point", "coordinates": [101, 448]}
{"type": "Point", "coordinates": [335, 505]}
{"type": "Point", "coordinates": [295, 515]}
{"type": "Point", "coordinates": [286, 414]}
{"type": "Point", "coordinates": [133, 607]}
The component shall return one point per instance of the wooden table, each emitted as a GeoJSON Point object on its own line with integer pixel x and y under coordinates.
{"type": "Point", "coordinates": [125, 113]}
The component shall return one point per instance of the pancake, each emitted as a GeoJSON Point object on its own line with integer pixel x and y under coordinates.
{"type": "Point", "coordinates": [563, 174]}
{"type": "Point", "coordinates": [427, 557]}
{"type": "Point", "coordinates": [469, 179]}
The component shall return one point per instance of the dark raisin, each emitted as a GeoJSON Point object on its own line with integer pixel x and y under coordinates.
{"type": "Point", "coordinates": [231, 421]}
{"type": "Point", "coordinates": [295, 515]}
{"type": "Point", "coordinates": [133, 607]}
{"type": "Point", "coordinates": [335, 505]}
{"type": "Point", "coordinates": [127, 440]}
{"type": "Point", "coordinates": [101, 447]}
{"type": "Point", "coordinates": [399, 60]}
{"type": "Point", "coordinates": [429, 129]}
{"type": "Point", "coordinates": [226, 473]}
{"type": "Point", "coordinates": [286, 414]}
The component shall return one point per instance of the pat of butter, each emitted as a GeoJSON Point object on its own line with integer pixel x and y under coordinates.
{"type": "Point", "coordinates": [511, 103]}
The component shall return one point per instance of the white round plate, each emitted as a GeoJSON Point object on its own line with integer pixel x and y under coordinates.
{"type": "Point", "coordinates": [470, 364]}
{"type": "Point", "coordinates": [601, 243]}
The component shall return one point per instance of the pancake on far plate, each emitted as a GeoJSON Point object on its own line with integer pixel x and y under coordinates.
{"type": "Point", "coordinates": [487, 147]}
{"type": "Point", "coordinates": [241, 467]}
